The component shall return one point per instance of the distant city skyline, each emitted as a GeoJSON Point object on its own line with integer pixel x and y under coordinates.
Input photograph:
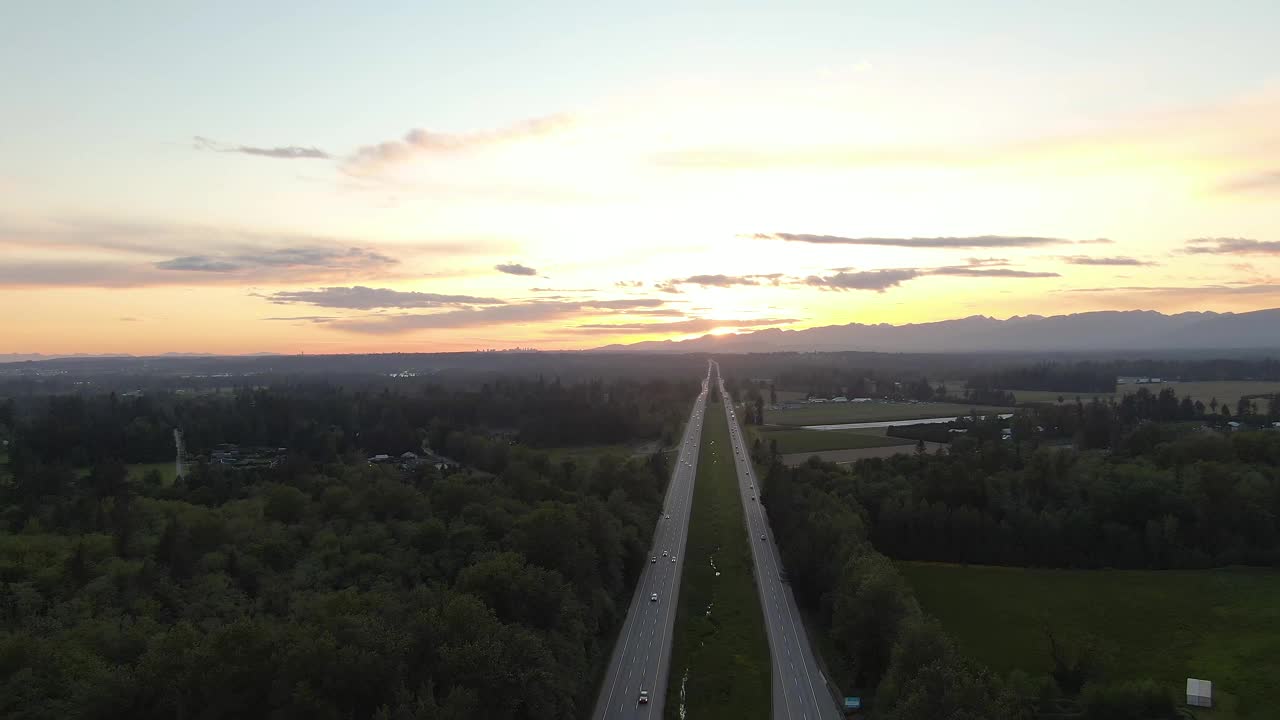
{"type": "Point", "coordinates": [296, 178]}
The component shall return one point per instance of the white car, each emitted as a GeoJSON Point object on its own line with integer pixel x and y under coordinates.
{"type": "Point", "coordinates": [668, 517]}
{"type": "Point", "coordinates": [653, 559]}
{"type": "Point", "coordinates": [654, 597]}
{"type": "Point", "coordinates": [644, 697]}
{"type": "Point", "coordinates": [673, 558]}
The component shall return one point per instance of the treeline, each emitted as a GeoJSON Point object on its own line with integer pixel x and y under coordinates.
{"type": "Point", "coordinates": [318, 591]}
{"type": "Point", "coordinates": [1081, 377]}
{"type": "Point", "coordinates": [882, 644]}
{"type": "Point", "coordinates": [1167, 496]}
{"type": "Point", "coordinates": [325, 422]}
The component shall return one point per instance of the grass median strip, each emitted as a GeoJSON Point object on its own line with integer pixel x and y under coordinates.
{"type": "Point", "coordinates": [797, 441]}
{"type": "Point", "coordinates": [720, 655]}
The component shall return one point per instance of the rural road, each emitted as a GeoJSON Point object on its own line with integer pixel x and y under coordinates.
{"type": "Point", "coordinates": [799, 689]}
{"type": "Point", "coordinates": [641, 658]}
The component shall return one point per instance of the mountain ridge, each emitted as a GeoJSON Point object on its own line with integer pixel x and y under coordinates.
{"type": "Point", "coordinates": [1101, 330]}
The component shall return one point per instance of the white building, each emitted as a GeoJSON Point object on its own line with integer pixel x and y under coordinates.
{"type": "Point", "coordinates": [1199, 693]}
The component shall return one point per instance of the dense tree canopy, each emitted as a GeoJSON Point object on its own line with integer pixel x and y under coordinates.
{"type": "Point", "coordinates": [323, 587]}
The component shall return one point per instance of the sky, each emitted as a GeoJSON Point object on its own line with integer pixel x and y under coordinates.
{"type": "Point", "coordinates": [414, 177]}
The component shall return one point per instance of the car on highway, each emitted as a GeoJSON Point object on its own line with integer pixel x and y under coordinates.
{"type": "Point", "coordinates": [653, 559]}
{"type": "Point", "coordinates": [664, 553]}
{"type": "Point", "coordinates": [644, 697]}
{"type": "Point", "coordinates": [668, 517]}
{"type": "Point", "coordinates": [654, 597]}
{"type": "Point", "coordinates": [761, 537]}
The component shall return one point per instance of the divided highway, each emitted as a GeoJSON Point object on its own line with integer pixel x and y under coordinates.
{"type": "Point", "coordinates": [799, 689]}
{"type": "Point", "coordinates": [642, 653]}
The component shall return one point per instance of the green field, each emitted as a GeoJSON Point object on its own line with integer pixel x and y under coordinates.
{"type": "Point", "coordinates": [588, 453]}
{"type": "Point", "coordinates": [1221, 625]}
{"type": "Point", "coordinates": [1226, 391]}
{"type": "Point", "coordinates": [719, 656]}
{"type": "Point", "coordinates": [833, 413]}
{"type": "Point", "coordinates": [1049, 396]}
{"type": "Point", "coordinates": [137, 471]}
{"type": "Point", "coordinates": [803, 441]}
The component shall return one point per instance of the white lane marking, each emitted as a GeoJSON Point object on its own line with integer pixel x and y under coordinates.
{"type": "Point", "coordinates": [630, 627]}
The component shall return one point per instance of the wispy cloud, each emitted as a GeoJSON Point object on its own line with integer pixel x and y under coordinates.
{"type": "Point", "coordinates": [285, 152]}
{"type": "Point", "coordinates": [1232, 246]}
{"type": "Point", "coordinates": [678, 326]}
{"type": "Point", "coordinates": [1086, 260]}
{"type": "Point", "coordinates": [421, 141]}
{"type": "Point", "coordinates": [724, 281]}
{"type": "Point", "coordinates": [314, 319]}
{"type": "Point", "coordinates": [512, 313]}
{"type": "Point", "coordinates": [367, 298]}
{"type": "Point", "coordinates": [979, 241]}
{"type": "Point", "coordinates": [1192, 291]}
{"type": "Point", "coordinates": [91, 252]}
{"type": "Point", "coordinates": [970, 271]}
{"type": "Point", "coordinates": [1251, 183]}
{"type": "Point", "coordinates": [881, 280]}
{"type": "Point", "coordinates": [878, 280]}
{"type": "Point", "coordinates": [285, 258]}
{"type": "Point", "coordinates": [515, 269]}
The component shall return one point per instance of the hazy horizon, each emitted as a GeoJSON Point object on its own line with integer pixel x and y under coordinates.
{"type": "Point", "coordinates": [288, 179]}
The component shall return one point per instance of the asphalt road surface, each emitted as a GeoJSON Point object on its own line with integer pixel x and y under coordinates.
{"type": "Point", "coordinates": [642, 653]}
{"type": "Point", "coordinates": [799, 688]}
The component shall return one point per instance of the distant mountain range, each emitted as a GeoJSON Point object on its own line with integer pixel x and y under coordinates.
{"type": "Point", "coordinates": [34, 357]}
{"type": "Point", "coordinates": [1085, 332]}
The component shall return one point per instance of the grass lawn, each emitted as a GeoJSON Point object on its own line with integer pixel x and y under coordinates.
{"type": "Point", "coordinates": [589, 453]}
{"type": "Point", "coordinates": [1050, 396]}
{"type": "Point", "coordinates": [833, 413]}
{"type": "Point", "coordinates": [168, 471]}
{"type": "Point", "coordinates": [1220, 625]}
{"type": "Point", "coordinates": [724, 653]}
{"type": "Point", "coordinates": [797, 441]}
{"type": "Point", "coordinates": [1226, 391]}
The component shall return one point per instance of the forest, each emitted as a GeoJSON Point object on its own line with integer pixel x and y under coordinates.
{"type": "Point", "coordinates": [881, 645]}
{"type": "Point", "coordinates": [324, 587]}
{"type": "Point", "coordinates": [325, 422]}
{"type": "Point", "coordinates": [1151, 481]}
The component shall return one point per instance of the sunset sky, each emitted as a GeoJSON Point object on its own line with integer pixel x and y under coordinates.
{"type": "Point", "coordinates": [409, 176]}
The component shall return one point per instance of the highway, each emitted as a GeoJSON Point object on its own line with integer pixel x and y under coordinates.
{"type": "Point", "coordinates": [799, 688]}
{"type": "Point", "coordinates": [641, 658]}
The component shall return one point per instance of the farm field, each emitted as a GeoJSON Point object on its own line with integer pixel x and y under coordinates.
{"type": "Point", "coordinates": [719, 653]}
{"type": "Point", "coordinates": [854, 455]}
{"type": "Point", "coordinates": [832, 413]}
{"type": "Point", "coordinates": [1051, 396]}
{"type": "Point", "coordinates": [806, 441]}
{"type": "Point", "coordinates": [168, 471]}
{"type": "Point", "coordinates": [1168, 625]}
{"type": "Point", "coordinates": [589, 453]}
{"type": "Point", "coordinates": [137, 471]}
{"type": "Point", "coordinates": [1226, 391]}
